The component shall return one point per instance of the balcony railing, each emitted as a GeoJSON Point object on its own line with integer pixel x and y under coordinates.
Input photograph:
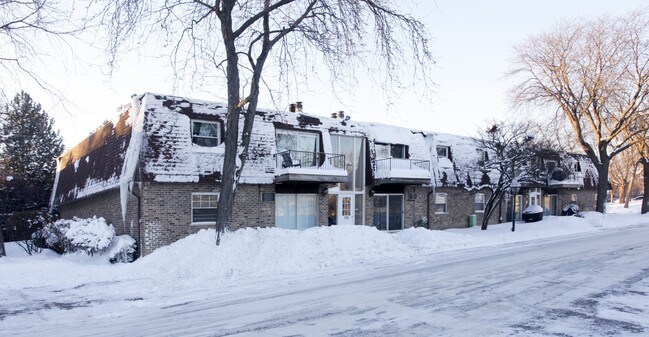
{"type": "Point", "coordinates": [401, 171]}
{"type": "Point", "coordinates": [401, 164]}
{"type": "Point", "coordinates": [293, 165]}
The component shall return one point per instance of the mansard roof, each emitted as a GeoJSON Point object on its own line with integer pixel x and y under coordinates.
{"type": "Point", "coordinates": [151, 137]}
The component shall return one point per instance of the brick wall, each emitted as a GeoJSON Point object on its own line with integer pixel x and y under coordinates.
{"type": "Point", "coordinates": [460, 204]}
{"type": "Point", "coordinates": [106, 205]}
{"type": "Point", "coordinates": [166, 210]}
{"type": "Point", "coordinates": [586, 199]}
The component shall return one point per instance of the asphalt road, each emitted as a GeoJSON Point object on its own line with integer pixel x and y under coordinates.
{"type": "Point", "coordinates": [592, 284]}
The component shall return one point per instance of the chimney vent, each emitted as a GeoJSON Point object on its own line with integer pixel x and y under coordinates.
{"type": "Point", "coordinates": [298, 105]}
{"type": "Point", "coordinates": [334, 115]}
{"type": "Point", "coordinates": [291, 107]}
{"type": "Point", "coordinates": [341, 114]}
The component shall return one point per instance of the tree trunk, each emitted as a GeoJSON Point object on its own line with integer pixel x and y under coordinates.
{"type": "Point", "coordinates": [602, 185]}
{"type": "Point", "coordinates": [645, 195]}
{"type": "Point", "coordinates": [2, 243]}
{"type": "Point", "coordinates": [622, 193]}
{"type": "Point", "coordinates": [228, 176]}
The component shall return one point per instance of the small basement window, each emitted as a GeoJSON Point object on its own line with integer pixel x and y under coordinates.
{"type": "Point", "coordinates": [206, 133]}
{"type": "Point", "coordinates": [204, 208]}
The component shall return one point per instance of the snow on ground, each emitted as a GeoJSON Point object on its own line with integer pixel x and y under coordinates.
{"type": "Point", "coordinates": [257, 264]}
{"type": "Point", "coordinates": [262, 252]}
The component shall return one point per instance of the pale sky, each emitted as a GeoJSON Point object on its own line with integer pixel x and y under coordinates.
{"type": "Point", "coordinates": [472, 43]}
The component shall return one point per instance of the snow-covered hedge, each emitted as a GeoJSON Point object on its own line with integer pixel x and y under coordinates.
{"type": "Point", "coordinates": [122, 250]}
{"type": "Point", "coordinates": [91, 235]}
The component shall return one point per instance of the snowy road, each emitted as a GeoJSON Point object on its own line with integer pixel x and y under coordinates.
{"type": "Point", "coordinates": [589, 284]}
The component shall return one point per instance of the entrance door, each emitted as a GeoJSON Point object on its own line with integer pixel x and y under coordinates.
{"type": "Point", "coordinates": [346, 209]}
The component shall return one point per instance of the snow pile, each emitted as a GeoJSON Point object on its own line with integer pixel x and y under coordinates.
{"type": "Point", "coordinates": [256, 253]}
{"type": "Point", "coordinates": [253, 252]}
{"type": "Point", "coordinates": [424, 239]}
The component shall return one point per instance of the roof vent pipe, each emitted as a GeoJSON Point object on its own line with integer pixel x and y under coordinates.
{"type": "Point", "coordinates": [298, 106]}
{"type": "Point", "coordinates": [334, 115]}
{"type": "Point", "coordinates": [341, 114]}
{"type": "Point", "coordinates": [291, 107]}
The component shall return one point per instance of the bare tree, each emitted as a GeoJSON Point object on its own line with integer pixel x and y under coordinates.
{"type": "Point", "coordinates": [236, 39]}
{"type": "Point", "coordinates": [26, 28]}
{"type": "Point", "coordinates": [510, 146]}
{"type": "Point", "coordinates": [641, 150]}
{"type": "Point", "coordinates": [624, 169]}
{"type": "Point", "coordinates": [595, 74]}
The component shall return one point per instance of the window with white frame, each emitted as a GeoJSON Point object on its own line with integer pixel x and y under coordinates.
{"type": "Point", "coordinates": [206, 133]}
{"type": "Point", "coordinates": [443, 151]}
{"type": "Point", "coordinates": [441, 201]}
{"type": "Point", "coordinates": [479, 202]}
{"type": "Point", "coordinates": [482, 155]}
{"type": "Point", "coordinates": [204, 208]}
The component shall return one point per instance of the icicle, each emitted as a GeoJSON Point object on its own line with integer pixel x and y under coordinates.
{"type": "Point", "coordinates": [132, 154]}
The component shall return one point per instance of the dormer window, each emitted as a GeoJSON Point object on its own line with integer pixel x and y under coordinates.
{"type": "Point", "coordinates": [206, 133]}
{"type": "Point", "coordinates": [482, 155]}
{"type": "Point", "coordinates": [550, 165]}
{"type": "Point", "coordinates": [443, 151]}
{"type": "Point", "coordinates": [390, 151]}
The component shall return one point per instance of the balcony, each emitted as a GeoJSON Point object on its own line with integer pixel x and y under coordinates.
{"type": "Point", "coordinates": [401, 171]}
{"type": "Point", "coordinates": [560, 178]}
{"type": "Point", "coordinates": [303, 166]}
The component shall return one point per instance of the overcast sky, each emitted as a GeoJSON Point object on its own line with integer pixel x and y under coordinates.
{"type": "Point", "coordinates": [472, 42]}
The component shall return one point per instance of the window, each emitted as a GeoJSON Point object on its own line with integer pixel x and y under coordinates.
{"type": "Point", "coordinates": [482, 156]}
{"type": "Point", "coordinates": [354, 150]}
{"type": "Point", "coordinates": [534, 196]}
{"type": "Point", "coordinates": [296, 211]}
{"type": "Point", "coordinates": [441, 203]}
{"type": "Point", "coordinates": [551, 204]}
{"type": "Point", "coordinates": [479, 202]}
{"type": "Point", "coordinates": [206, 133]}
{"type": "Point", "coordinates": [550, 165]}
{"type": "Point", "coordinates": [297, 141]}
{"type": "Point", "coordinates": [388, 211]}
{"type": "Point", "coordinates": [443, 151]}
{"type": "Point", "coordinates": [390, 151]}
{"type": "Point", "coordinates": [204, 208]}
{"type": "Point", "coordinates": [577, 167]}
{"type": "Point", "coordinates": [267, 196]}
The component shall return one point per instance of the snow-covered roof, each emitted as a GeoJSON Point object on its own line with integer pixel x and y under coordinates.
{"type": "Point", "coordinates": [154, 133]}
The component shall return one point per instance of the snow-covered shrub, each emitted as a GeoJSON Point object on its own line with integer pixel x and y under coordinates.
{"type": "Point", "coordinates": [570, 209]}
{"type": "Point", "coordinates": [52, 236]}
{"type": "Point", "coordinates": [123, 249]}
{"type": "Point", "coordinates": [90, 235]}
{"type": "Point", "coordinates": [422, 222]}
{"type": "Point", "coordinates": [66, 236]}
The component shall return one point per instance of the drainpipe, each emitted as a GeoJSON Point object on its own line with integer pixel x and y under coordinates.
{"type": "Point", "coordinates": [139, 211]}
{"type": "Point", "coordinates": [428, 199]}
{"type": "Point", "coordinates": [139, 220]}
{"type": "Point", "coordinates": [259, 203]}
